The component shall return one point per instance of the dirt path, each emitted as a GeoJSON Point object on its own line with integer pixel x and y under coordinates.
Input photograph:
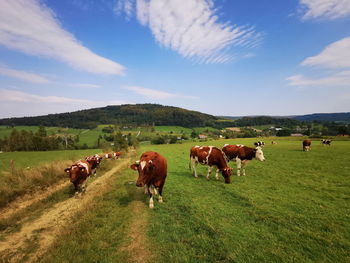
{"type": "Point", "coordinates": [27, 200]}
{"type": "Point", "coordinates": [138, 248]}
{"type": "Point", "coordinates": [41, 232]}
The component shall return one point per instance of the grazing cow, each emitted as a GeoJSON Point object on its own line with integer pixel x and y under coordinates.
{"type": "Point", "coordinates": [259, 143]}
{"type": "Point", "coordinates": [78, 173]}
{"type": "Point", "coordinates": [116, 155]}
{"type": "Point", "coordinates": [94, 161]}
{"type": "Point", "coordinates": [326, 142]}
{"type": "Point", "coordinates": [306, 145]}
{"type": "Point", "coordinates": [152, 168]}
{"type": "Point", "coordinates": [242, 155]}
{"type": "Point", "coordinates": [211, 156]}
{"type": "Point", "coordinates": [273, 142]}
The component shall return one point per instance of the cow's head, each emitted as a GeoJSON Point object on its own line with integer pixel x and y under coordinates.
{"type": "Point", "coordinates": [144, 168]}
{"type": "Point", "coordinates": [74, 172]}
{"type": "Point", "coordinates": [226, 173]}
{"type": "Point", "coordinates": [259, 155]}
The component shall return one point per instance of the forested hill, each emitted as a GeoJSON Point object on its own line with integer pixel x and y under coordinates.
{"type": "Point", "coordinates": [138, 114]}
{"type": "Point", "coordinates": [342, 116]}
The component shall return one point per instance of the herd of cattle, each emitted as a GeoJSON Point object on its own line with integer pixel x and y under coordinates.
{"type": "Point", "coordinates": [80, 170]}
{"type": "Point", "coordinates": [152, 167]}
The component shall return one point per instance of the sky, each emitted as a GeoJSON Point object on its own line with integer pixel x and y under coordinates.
{"type": "Point", "coordinates": [222, 57]}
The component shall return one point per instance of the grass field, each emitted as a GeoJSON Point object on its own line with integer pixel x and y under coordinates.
{"type": "Point", "coordinates": [292, 208]}
{"type": "Point", "coordinates": [32, 159]}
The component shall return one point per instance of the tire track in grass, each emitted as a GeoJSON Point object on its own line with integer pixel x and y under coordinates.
{"type": "Point", "coordinates": [39, 234]}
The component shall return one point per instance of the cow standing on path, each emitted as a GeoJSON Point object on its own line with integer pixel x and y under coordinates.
{"type": "Point", "coordinates": [242, 154]}
{"type": "Point", "coordinates": [78, 174]}
{"type": "Point", "coordinates": [94, 161]}
{"type": "Point", "coordinates": [211, 156]}
{"type": "Point", "coordinates": [152, 168]}
{"type": "Point", "coordinates": [306, 145]}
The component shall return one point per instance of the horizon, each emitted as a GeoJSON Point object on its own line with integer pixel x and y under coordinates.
{"type": "Point", "coordinates": [223, 58]}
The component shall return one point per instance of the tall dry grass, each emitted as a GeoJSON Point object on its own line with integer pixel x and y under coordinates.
{"type": "Point", "coordinates": [18, 182]}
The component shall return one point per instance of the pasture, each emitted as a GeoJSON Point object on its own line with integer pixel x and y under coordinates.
{"type": "Point", "coordinates": [292, 208]}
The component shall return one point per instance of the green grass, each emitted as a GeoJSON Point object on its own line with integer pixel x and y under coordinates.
{"type": "Point", "coordinates": [32, 159]}
{"type": "Point", "coordinates": [292, 208]}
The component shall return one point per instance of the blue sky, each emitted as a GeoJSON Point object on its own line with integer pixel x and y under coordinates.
{"type": "Point", "coordinates": [224, 57]}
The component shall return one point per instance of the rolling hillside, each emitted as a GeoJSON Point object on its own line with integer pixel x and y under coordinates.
{"type": "Point", "coordinates": [139, 114]}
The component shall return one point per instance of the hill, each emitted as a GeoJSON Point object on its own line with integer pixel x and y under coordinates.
{"type": "Point", "coordinates": [342, 116]}
{"type": "Point", "coordinates": [138, 114]}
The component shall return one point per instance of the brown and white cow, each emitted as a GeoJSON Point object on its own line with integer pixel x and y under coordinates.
{"type": "Point", "coordinates": [94, 161]}
{"type": "Point", "coordinates": [78, 174]}
{"type": "Point", "coordinates": [114, 155]}
{"type": "Point", "coordinates": [273, 142]}
{"type": "Point", "coordinates": [152, 168]}
{"type": "Point", "coordinates": [306, 145]}
{"type": "Point", "coordinates": [211, 156]}
{"type": "Point", "coordinates": [242, 154]}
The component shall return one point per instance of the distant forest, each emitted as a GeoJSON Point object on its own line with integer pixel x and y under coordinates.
{"type": "Point", "coordinates": [139, 114]}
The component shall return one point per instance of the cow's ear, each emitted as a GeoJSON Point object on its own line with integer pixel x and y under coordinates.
{"type": "Point", "coordinates": [134, 166]}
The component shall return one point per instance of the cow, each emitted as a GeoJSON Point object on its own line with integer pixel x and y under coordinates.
{"type": "Point", "coordinates": [211, 156]}
{"type": "Point", "coordinates": [152, 168]}
{"type": "Point", "coordinates": [259, 143]}
{"type": "Point", "coordinates": [242, 155]}
{"type": "Point", "coordinates": [78, 174]}
{"type": "Point", "coordinates": [114, 155]}
{"type": "Point", "coordinates": [273, 142]}
{"type": "Point", "coordinates": [94, 161]}
{"type": "Point", "coordinates": [326, 142]}
{"type": "Point", "coordinates": [306, 145]}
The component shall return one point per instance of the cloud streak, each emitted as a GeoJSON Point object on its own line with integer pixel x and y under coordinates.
{"type": "Point", "coordinates": [336, 55]}
{"type": "Point", "coordinates": [329, 9]}
{"type": "Point", "coordinates": [155, 94]}
{"type": "Point", "coordinates": [192, 28]}
{"type": "Point", "coordinates": [22, 75]}
{"type": "Point", "coordinates": [32, 28]}
{"type": "Point", "coordinates": [19, 103]}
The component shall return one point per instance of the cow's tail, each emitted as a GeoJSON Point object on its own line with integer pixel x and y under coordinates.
{"type": "Point", "coordinates": [190, 166]}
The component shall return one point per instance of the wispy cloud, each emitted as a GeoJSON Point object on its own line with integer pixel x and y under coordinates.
{"type": "Point", "coordinates": [191, 28]}
{"type": "Point", "coordinates": [329, 9]}
{"type": "Point", "coordinates": [336, 55]}
{"type": "Point", "coordinates": [18, 103]}
{"type": "Point", "coordinates": [31, 27]}
{"type": "Point", "coordinates": [155, 94]}
{"type": "Point", "coordinates": [22, 75]}
{"type": "Point", "coordinates": [340, 79]}
{"type": "Point", "coordinates": [85, 85]}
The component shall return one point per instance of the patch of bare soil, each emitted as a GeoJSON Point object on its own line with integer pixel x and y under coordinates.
{"type": "Point", "coordinates": [27, 200]}
{"type": "Point", "coordinates": [46, 228]}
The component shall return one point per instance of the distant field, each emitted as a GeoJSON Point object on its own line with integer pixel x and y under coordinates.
{"type": "Point", "coordinates": [31, 159]}
{"type": "Point", "coordinates": [292, 208]}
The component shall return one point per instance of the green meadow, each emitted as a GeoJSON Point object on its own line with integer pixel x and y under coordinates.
{"type": "Point", "coordinates": [294, 207]}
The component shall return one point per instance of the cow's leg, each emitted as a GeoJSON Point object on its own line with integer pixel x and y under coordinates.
{"type": "Point", "coordinates": [194, 166]}
{"type": "Point", "coordinates": [209, 171]}
{"type": "Point", "coordinates": [151, 203]}
{"type": "Point", "coordinates": [146, 189]}
{"type": "Point", "coordinates": [238, 162]}
{"type": "Point", "coordinates": [217, 174]}
{"type": "Point", "coordinates": [160, 191]}
{"type": "Point", "coordinates": [244, 164]}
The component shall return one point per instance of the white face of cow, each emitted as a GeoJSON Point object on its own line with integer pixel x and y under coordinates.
{"type": "Point", "coordinates": [259, 155]}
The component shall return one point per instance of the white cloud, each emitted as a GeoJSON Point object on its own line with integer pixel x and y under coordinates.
{"type": "Point", "coordinates": [85, 85]}
{"type": "Point", "coordinates": [340, 79]}
{"type": "Point", "coordinates": [336, 55]}
{"type": "Point", "coordinates": [330, 9]}
{"type": "Point", "coordinates": [32, 28]}
{"type": "Point", "coordinates": [22, 75]}
{"type": "Point", "coordinates": [192, 29]}
{"type": "Point", "coordinates": [18, 103]}
{"type": "Point", "coordinates": [155, 94]}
